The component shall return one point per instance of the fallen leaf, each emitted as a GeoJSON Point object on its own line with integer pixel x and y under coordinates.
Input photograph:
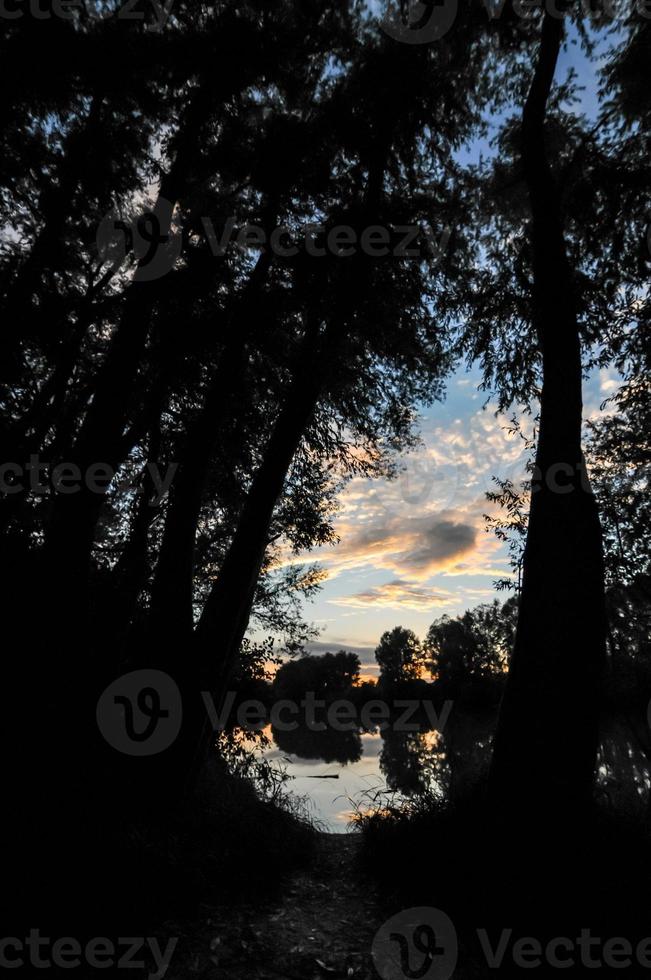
{"type": "Point", "coordinates": [324, 966]}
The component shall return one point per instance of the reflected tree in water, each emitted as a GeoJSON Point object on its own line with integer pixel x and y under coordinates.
{"type": "Point", "coordinates": [328, 745]}
{"type": "Point", "coordinates": [444, 763]}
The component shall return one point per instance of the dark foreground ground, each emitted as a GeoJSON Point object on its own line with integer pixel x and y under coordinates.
{"type": "Point", "coordinates": [321, 925]}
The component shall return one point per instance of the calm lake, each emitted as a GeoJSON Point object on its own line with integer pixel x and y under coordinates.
{"type": "Point", "coordinates": [374, 766]}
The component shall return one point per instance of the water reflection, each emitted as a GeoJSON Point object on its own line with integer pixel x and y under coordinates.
{"type": "Point", "coordinates": [411, 762]}
{"type": "Point", "coordinates": [369, 763]}
{"type": "Point", "coordinates": [328, 745]}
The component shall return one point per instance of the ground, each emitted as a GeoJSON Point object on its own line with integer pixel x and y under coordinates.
{"type": "Point", "coordinates": [321, 925]}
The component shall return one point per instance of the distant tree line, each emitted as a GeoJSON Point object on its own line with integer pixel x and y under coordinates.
{"type": "Point", "coordinates": [465, 657]}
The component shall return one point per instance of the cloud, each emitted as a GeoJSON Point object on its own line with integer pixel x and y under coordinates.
{"type": "Point", "coordinates": [438, 543]}
{"type": "Point", "coordinates": [413, 549]}
{"type": "Point", "coordinates": [427, 525]}
{"type": "Point", "coordinates": [397, 594]}
{"type": "Point", "coordinates": [365, 653]}
{"type": "Point", "coordinates": [609, 381]}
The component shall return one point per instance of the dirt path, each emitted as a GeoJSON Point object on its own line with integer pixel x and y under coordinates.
{"type": "Point", "coordinates": [320, 927]}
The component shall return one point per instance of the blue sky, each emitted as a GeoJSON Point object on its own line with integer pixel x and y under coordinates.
{"type": "Point", "coordinates": [416, 548]}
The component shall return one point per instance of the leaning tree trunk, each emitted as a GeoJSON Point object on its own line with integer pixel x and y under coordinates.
{"type": "Point", "coordinates": [547, 737]}
{"type": "Point", "coordinates": [227, 610]}
{"type": "Point", "coordinates": [171, 618]}
{"type": "Point", "coordinates": [226, 613]}
{"type": "Point", "coordinates": [67, 700]}
{"type": "Point", "coordinates": [69, 537]}
{"type": "Point", "coordinates": [225, 616]}
{"type": "Point", "coordinates": [21, 318]}
{"type": "Point", "coordinates": [172, 590]}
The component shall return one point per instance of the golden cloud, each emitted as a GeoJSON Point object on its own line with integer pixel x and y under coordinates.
{"type": "Point", "coordinates": [397, 595]}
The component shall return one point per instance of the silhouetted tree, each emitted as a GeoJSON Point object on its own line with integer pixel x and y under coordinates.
{"type": "Point", "coordinates": [399, 655]}
{"type": "Point", "coordinates": [327, 744]}
{"type": "Point", "coordinates": [327, 676]}
{"type": "Point", "coordinates": [469, 655]}
{"type": "Point", "coordinates": [561, 625]}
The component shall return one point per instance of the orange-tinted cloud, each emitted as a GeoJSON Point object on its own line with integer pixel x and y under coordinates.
{"type": "Point", "coordinates": [398, 595]}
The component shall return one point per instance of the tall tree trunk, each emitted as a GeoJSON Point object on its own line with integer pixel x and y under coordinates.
{"type": "Point", "coordinates": [70, 535]}
{"type": "Point", "coordinates": [34, 277]}
{"type": "Point", "coordinates": [117, 603]}
{"type": "Point", "coordinates": [65, 585]}
{"type": "Point", "coordinates": [546, 743]}
{"type": "Point", "coordinates": [28, 435]}
{"type": "Point", "coordinates": [172, 592]}
{"type": "Point", "coordinates": [225, 616]}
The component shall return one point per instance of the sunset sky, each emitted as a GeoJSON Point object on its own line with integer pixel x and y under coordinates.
{"type": "Point", "coordinates": [416, 548]}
